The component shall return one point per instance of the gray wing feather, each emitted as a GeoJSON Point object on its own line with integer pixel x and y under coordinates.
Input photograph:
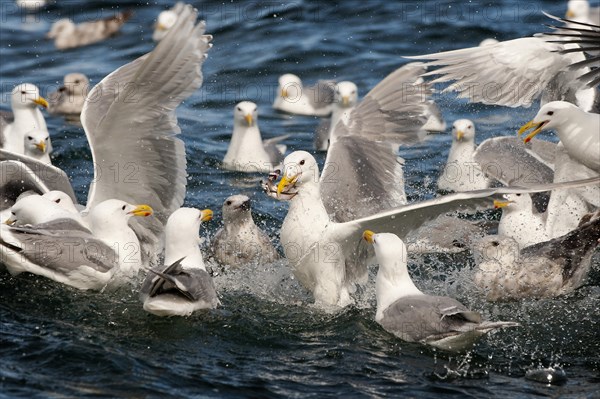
{"type": "Point", "coordinates": [404, 219]}
{"type": "Point", "coordinates": [356, 178]}
{"type": "Point", "coordinates": [395, 110]}
{"type": "Point", "coordinates": [510, 161]}
{"type": "Point", "coordinates": [6, 118]}
{"type": "Point", "coordinates": [194, 284]}
{"type": "Point", "coordinates": [587, 37]}
{"type": "Point", "coordinates": [273, 149]}
{"type": "Point", "coordinates": [45, 176]}
{"type": "Point", "coordinates": [322, 134]}
{"type": "Point", "coordinates": [321, 95]}
{"type": "Point", "coordinates": [133, 109]}
{"type": "Point", "coordinates": [361, 160]}
{"type": "Point", "coordinates": [569, 250]}
{"type": "Point", "coordinates": [57, 247]}
{"type": "Point", "coordinates": [511, 73]}
{"type": "Point", "coordinates": [424, 317]}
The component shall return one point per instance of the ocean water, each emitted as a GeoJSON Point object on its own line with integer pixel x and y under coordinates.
{"type": "Point", "coordinates": [268, 340]}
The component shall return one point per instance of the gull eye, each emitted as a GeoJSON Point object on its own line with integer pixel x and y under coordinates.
{"type": "Point", "coordinates": [518, 195]}
{"type": "Point", "coordinates": [302, 162]}
{"type": "Point", "coordinates": [29, 138]}
{"type": "Point", "coordinates": [239, 109]}
{"type": "Point", "coordinates": [124, 206]}
{"type": "Point", "coordinates": [13, 212]}
{"type": "Point", "coordinates": [495, 243]}
{"type": "Point", "coordinates": [57, 201]}
{"type": "Point", "coordinates": [469, 127]}
{"type": "Point", "coordinates": [228, 203]}
{"type": "Point", "coordinates": [77, 82]}
{"type": "Point", "coordinates": [550, 113]}
{"type": "Point", "coordinates": [23, 92]}
{"type": "Point", "coordinates": [353, 92]}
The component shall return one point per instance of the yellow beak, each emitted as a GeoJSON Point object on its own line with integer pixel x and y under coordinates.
{"type": "Point", "coordinates": [161, 27]}
{"type": "Point", "coordinates": [206, 215]}
{"type": "Point", "coordinates": [284, 93]}
{"type": "Point", "coordinates": [459, 135]}
{"type": "Point", "coordinates": [570, 14]}
{"type": "Point", "coordinates": [249, 119]}
{"type": "Point", "coordinates": [41, 146]}
{"type": "Point", "coordinates": [142, 210]}
{"type": "Point", "coordinates": [501, 204]}
{"type": "Point", "coordinates": [345, 101]}
{"type": "Point", "coordinates": [284, 182]}
{"type": "Point", "coordinates": [368, 236]}
{"type": "Point", "coordinates": [537, 126]}
{"type": "Point", "coordinates": [41, 101]}
{"type": "Point", "coordinates": [10, 221]}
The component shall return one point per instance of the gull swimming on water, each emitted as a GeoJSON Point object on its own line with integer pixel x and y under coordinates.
{"type": "Point", "coordinates": [26, 117]}
{"type": "Point", "coordinates": [67, 252]}
{"type": "Point", "coordinates": [344, 100]}
{"type": "Point", "coordinates": [240, 241]}
{"type": "Point", "coordinates": [70, 97]}
{"type": "Point", "coordinates": [165, 21]}
{"type": "Point", "coordinates": [247, 152]}
{"type": "Point", "coordinates": [462, 172]}
{"type": "Point", "coordinates": [67, 34]}
{"type": "Point", "coordinates": [545, 270]}
{"type": "Point", "coordinates": [292, 97]}
{"type": "Point", "coordinates": [410, 314]}
{"type": "Point", "coordinates": [183, 285]}
{"type": "Point", "coordinates": [150, 160]}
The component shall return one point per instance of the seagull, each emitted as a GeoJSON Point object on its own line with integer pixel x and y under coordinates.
{"type": "Point", "coordinates": [240, 241]}
{"type": "Point", "coordinates": [247, 152]}
{"type": "Point", "coordinates": [69, 98]}
{"type": "Point", "coordinates": [462, 172]}
{"type": "Point", "coordinates": [65, 251]}
{"type": "Point", "coordinates": [165, 21]}
{"type": "Point", "coordinates": [40, 209]}
{"type": "Point", "coordinates": [520, 221]}
{"type": "Point", "coordinates": [21, 173]}
{"type": "Point", "coordinates": [25, 117]}
{"type": "Point", "coordinates": [149, 166]}
{"type": "Point", "coordinates": [408, 313]}
{"type": "Point", "coordinates": [292, 97]}
{"type": "Point", "coordinates": [344, 100]}
{"type": "Point", "coordinates": [576, 129]}
{"type": "Point", "coordinates": [67, 34]}
{"type": "Point", "coordinates": [183, 285]}
{"type": "Point", "coordinates": [580, 11]}
{"type": "Point", "coordinates": [548, 269]}
{"type": "Point", "coordinates": [37, 145]}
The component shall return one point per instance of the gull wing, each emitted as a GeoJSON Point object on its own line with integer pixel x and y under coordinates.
{"type": "Point", "coordinates": [44, 176]}
{"type": "Point", "coordinates": [361, 160]}
{"type": "Point", "coordinates": [512, 73]}
{"type": "Point", "coordinates": [129, 119]}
